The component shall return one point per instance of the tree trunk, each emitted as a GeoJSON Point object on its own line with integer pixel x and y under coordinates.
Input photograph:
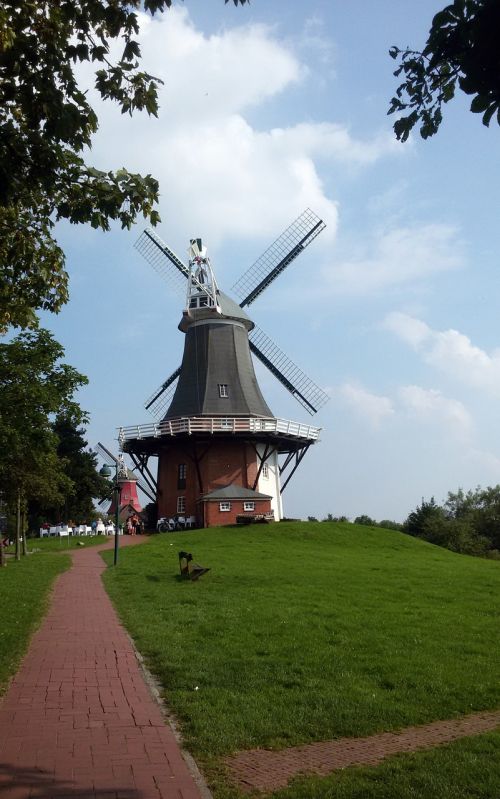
{"type": "Point", "coordinates": [23, 530]}
{"type": "Point", "coordinates": [18, 525]}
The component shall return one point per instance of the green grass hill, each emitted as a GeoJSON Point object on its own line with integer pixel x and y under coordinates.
{"type": "Point", "coordinates": [304, 632]}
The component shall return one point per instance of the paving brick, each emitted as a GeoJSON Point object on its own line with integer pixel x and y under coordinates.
{"type": "Point", "coordinates": [78, 718]}
{"type": "Point", "coordinates": [265, 770]}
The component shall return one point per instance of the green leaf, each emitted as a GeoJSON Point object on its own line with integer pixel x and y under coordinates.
{"type": "Point", "coordinates": [479, 104]}
{"type": "Point", "coordinates": [489, 113]}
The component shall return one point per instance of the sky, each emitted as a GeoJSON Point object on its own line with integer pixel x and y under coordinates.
{"type": "Point", "coordinates": [266, 110]}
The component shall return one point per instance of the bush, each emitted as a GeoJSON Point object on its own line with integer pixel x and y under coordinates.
{"type": "Point", "coordinates": [366, 520]}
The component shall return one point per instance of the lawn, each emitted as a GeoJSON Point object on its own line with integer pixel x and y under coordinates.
{"type": "Point", "coordinates": [24, 590]}
{"type": "Point", "coordinates": [62, 543]}
{"type": "Point", "coordinates": [306, 632]}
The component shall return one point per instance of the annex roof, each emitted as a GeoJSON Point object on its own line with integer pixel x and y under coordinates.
{"type": "Point", "coordinates": [233, 491]}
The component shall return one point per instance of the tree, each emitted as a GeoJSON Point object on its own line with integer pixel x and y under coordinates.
{"type": "Point", "coordinates": [414, 524]}
{"type": "Point", "coordinates": [366, 520]}
{"type": "Point", "coordinates": [468, 522]}
{"type": "Point", "coordinates": [35, 387]}
{"type": "Point", "coordinates": [462, 49]}
{"type": "Point", "coordinates": [388, 524]}
{"type": "Point", "coordinates": [80, 466]}
{"type": "Point", "coordinates": [481, 509]}
{"type": "Point", "coordinates": [46, 123]}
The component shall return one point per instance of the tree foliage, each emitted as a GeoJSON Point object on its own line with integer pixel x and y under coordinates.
{"type": "Point", "coordinates": [365, 520]}
{"type": "Point", "coordinates": [467, 522]}
{"type": "Point", "coordinates": [414, 524]}
{"type": "Point", "coordinates": [80, 466]}
{"type": "Point", "coordinates": [46, 124]}
{"type": "Point", "coordinates": [462, 49]}
{"type": "Point", "coordinates": [35, 388]}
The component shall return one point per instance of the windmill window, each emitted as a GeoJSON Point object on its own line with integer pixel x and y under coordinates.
{"type": "Point", "coordinates": [265, 471]}
{"type": "Point", "coordinates": [181, 475]}
{"type": "Point", "coordinates": [181, 504]}
{"type": "Point", "coordinates": [224, 506]}
{"type": "Point", "coordinates": [203, 301]}
{"type": "Point", "coordinates": [223, 392]}
{"type": "Point", "coordinates": [249, 506]}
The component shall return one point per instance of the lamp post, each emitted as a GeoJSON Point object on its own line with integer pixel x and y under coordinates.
{"type": "Point", "coordinates": [106, 472]}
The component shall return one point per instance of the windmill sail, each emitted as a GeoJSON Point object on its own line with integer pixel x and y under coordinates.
{"type": "Point", "coordinates": [162, 259]}
{"type": "Point", "coordinates": [271, 263]}
{"type": "Point", "coordinates": [278, 256]}
{"type": "Point", "coordinates": [160, 399]}
{"type": "Point", "coordinates": [310, 396]}
{"type": "Point", "coordinates": [105, 453]}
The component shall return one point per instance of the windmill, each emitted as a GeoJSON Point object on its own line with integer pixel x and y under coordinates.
{"type": "Point", "coordinates": [221, 451]}
{"type": "Point", "coordinates": [128, 483]}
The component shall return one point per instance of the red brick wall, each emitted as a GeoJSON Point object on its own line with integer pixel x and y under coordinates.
{"type": "Point", "coordinates": [214, 516]}
{"type": "Point", "coordinates": [226, 462]}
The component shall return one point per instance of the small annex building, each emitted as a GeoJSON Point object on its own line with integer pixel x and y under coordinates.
{"type": "Point", "coordinates": [225, 504]}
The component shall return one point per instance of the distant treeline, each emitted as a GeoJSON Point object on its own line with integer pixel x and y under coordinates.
{"type": "Point", "coordinates": [364, 519]}
{"type": "Point", "coordinates": [466, 522]}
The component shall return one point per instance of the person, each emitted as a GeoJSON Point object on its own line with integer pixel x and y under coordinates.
{"type": "Point", "coordinates": [129, 526]}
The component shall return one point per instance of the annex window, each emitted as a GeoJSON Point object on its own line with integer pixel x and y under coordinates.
{"type": "Point", "coordinates": [224, 506]}
{"type": "Point", "coordinates": [226, 424]}
{"type": "Point", "coordinates": [265, 471]}
{"type": "Point", "coordinates": [249, 506]}
{"type": "Point", "coordinates": [181, 475]}
{"type": "Point", "coordinates": [223, 392]}
{"type": "Point", "coordinates": [181, 504]}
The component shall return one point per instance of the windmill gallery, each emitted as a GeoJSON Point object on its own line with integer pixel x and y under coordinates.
{"type": "Point", "coordinates": [222, 454]}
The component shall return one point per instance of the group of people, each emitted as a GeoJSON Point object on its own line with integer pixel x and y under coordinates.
{"type": "Point", "coordinates": [134, 525]}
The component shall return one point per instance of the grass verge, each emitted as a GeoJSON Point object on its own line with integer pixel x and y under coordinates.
{"type": "Point", "coordinates": [307, 632]}
{"type": "Point", "coordinates": [24, 590]}
{"type": "Point", "coordinates": [62, 544]}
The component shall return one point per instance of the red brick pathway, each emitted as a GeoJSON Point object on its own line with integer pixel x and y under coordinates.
{"type": "Point", "coordinates": [263, 770]}
{"type": "Point", "coordinates": [78, 719]}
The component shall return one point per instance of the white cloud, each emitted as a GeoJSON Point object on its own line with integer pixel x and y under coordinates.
{"type": "Point", "coordinates": [220, 175]}
{"type": "Point", "coordinates": [318, 43]}
{"type": "Point", "coordinates": [401, 255]}
{"type": "Point", "coordinates": [373, 408]}
{"type": "Point", "coordinates": [430, 405]}
{"type": "Point", "coordinates": [449, 351]}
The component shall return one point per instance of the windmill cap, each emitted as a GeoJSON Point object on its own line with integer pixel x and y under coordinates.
{"type": "Point", "coordinates": [229, 309]}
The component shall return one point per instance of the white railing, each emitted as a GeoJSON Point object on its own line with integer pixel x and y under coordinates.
{"type": "Point", "coordinates": [217, 424]}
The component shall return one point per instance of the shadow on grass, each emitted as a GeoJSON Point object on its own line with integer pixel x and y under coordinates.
{"type": "Point", "coordinates": [43, 785]}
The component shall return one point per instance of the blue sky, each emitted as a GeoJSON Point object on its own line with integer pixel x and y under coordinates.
{"type": "Point", "coordinates": [266, 110]}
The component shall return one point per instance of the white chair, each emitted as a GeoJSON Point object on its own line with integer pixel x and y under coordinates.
{"type": "Point", "coordinates": [190, 521]}
{"type": "Point", "coordinates": [110, 529]}
{"type": "Point", "coordinates": [53, 531]}
{"type": "Point", "coordinates": [44, 532]}
{"type": "Point", "coordinates": [63, 530]}
{"type": "Point", "coordinates": [100, 528]}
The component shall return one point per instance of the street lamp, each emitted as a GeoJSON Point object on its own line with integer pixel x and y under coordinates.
{"type": "Point", "coordinates": [106, 472]}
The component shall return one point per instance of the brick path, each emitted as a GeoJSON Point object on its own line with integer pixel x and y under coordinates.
{"type": "Point", "coordinates": [78, 719]}
{"type": "Point", "coordinates": [264, 770]}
